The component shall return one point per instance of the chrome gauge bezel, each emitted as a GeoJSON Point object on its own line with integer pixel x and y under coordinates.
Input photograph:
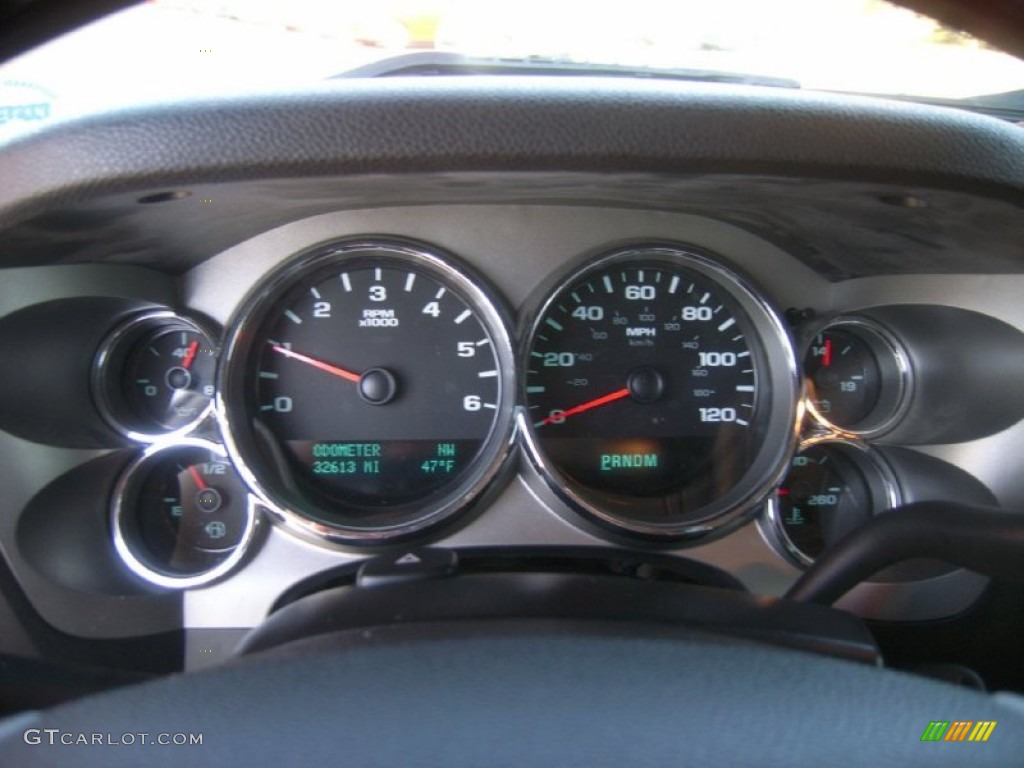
{"type": "Point", "coordinates": [489, 464]}
{"type": "Point", "coordinates": [113, 351]}
{"type": "Point", "coordinates": [896, 377]}
{"type": "Point", "coordinates": [136, 562]}
{"type": "Point", "coordinates": [879, 476]}
{"type": "Point", "coordinates": [778, 359]}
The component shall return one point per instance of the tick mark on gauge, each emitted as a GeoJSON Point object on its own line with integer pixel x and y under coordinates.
{"type": "Point", "coordinates": [608, 284]}
{"type": "Point", "coordinates": [462, 316]}
{"type": "Point", "coordinates": [482, 342]}
{"type": "Point", "coordinates": [376, 275]}
{"type": "Point", "coordinates": [743, 354]}
{"type": "Point", "coordinates": [315, 292]}
{"type": "Point", "coordinates": [491, 406]}
{"type": "Point", "coordinates": [744, 388]}
{"type": "Point", "coordinates": [576, 297]}
{"type": "Point", "coordinates": [727, 324]}
{"type": "Point", "coordinates": [535, 391]}
{"type": "Point", "coordinates": [704, 298]}
{"type": "Point", "coordinates": [674, 284]}
{"type": "Point", "coordinates": [554, 324]}
{"type": "Point", "coordinates": [742, 423]}
{"type": "Point", "coordinates": [155, 353]}
{"type": "Point", "coordinates": [346, 283]}
{"type": "Point", "coordinates": [738, 338]}
{"type": "Point", "coordinates": [639, 276]}
{"type": "Point", "coordinates": [487, 374]}
{"type": "Point", "coordinates": [410, 281]}
{"type": "Point", "coordinates": [293, 317]}
{"type": "Point", "coordinates": [441, 292]}
{"type": "Point", "coordinates": [268, 375]}
{"type": "Point", "coordinates": [267, 407]}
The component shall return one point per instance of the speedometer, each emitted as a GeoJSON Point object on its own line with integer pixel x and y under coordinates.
{"type": "Point", "coordinates": [367, 390]}
{"type": "Point", "coordinates": [659, 392]}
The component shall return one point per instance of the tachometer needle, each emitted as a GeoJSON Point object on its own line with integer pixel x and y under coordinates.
{"type": "Point", "coordinates": [332, 369]}
{"type": "Point", "coordinates": [596, 402]}
{"type": "Point", "coordinates": [190, 355]}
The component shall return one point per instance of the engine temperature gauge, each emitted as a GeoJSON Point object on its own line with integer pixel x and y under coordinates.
{"type": "Point", "coordinates": [832, 488]}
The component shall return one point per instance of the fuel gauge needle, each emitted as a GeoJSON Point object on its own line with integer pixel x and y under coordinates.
{"type": "Point", "coordinates": [320, 364]}
{"type": "Point", "coordinates": [582, 407]}
{"type": "Point", "coordinates": [196, 477]}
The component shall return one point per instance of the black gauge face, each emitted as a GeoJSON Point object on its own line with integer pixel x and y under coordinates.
{"type": "Point", "coordinates": [844, 379]}
{"type": "Point", "coordinates": [182, 513]}
{"type": "Point", "coordinates": [372, 387]}
{"type": "Point", "coordinates": [824, 497]}
{"type": "Point", "coordinates": [154, 376]}
{"type": "Point", "coordinates": [647, 386]}
{"type": "Point", "coordinates": [168, 378]}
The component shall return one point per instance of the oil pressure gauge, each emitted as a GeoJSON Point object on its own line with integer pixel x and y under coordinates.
{"type": "Point", "coordinates": [154, 376]}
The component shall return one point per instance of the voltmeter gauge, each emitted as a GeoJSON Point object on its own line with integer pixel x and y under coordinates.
{"type": "Point", "coordinates": [858, 377]}
{"type": "Point", "coordinates": [659, 392]}
{"type": "Point", "coordinates": [154, 376]}
{"type": "Point", "coordinates": [832, 487]}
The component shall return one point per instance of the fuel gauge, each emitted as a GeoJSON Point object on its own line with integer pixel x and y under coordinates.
{"type": "Point", "coordinates": [181, 514]}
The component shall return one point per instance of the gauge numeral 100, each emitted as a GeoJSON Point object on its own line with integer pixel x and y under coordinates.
{"type": "Point", "coordinates": [717, 359]}
{"type": "Point", "coordinates": [717, 414]}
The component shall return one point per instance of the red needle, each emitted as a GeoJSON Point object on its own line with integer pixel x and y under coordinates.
{"type": "Point", "coordinates": [190, 355]}
{"type": "Point", "coordinates": [317, 363]}
{"type": "Point", "coordinates": [783, 492]}
{"type": "Point", "coordinates": [826, 359]}
{"type": "Point", "coordinates": [197, 477]}
{"type": "Point", "coordinates": [598, 401]}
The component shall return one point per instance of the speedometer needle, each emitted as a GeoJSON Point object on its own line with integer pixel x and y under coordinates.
{"type": "Point", "coordinates": [596, 402]}
{"type": "Point", "coordinates": [332, 369]}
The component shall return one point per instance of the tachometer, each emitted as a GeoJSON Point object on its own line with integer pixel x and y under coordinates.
{"type": "Point", "coordinates": [660, 392]}
{"type": "Point", "coordinates": [367, 390]}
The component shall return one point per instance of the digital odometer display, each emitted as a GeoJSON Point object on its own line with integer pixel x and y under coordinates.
{"type": "Point", "coordinates": [372, 386]}
{"type": "Point", "coordinates": [647, 385]}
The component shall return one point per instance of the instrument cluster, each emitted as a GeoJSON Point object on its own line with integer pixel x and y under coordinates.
{"type": "Point", "coordinates": [370, 391]}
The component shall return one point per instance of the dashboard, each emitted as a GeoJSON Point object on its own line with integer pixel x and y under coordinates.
{"type": "Point", "coordinates": [607, 318]}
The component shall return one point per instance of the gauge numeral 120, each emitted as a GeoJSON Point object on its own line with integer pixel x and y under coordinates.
{"type": "Point", "coordinates": [717, 414]}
